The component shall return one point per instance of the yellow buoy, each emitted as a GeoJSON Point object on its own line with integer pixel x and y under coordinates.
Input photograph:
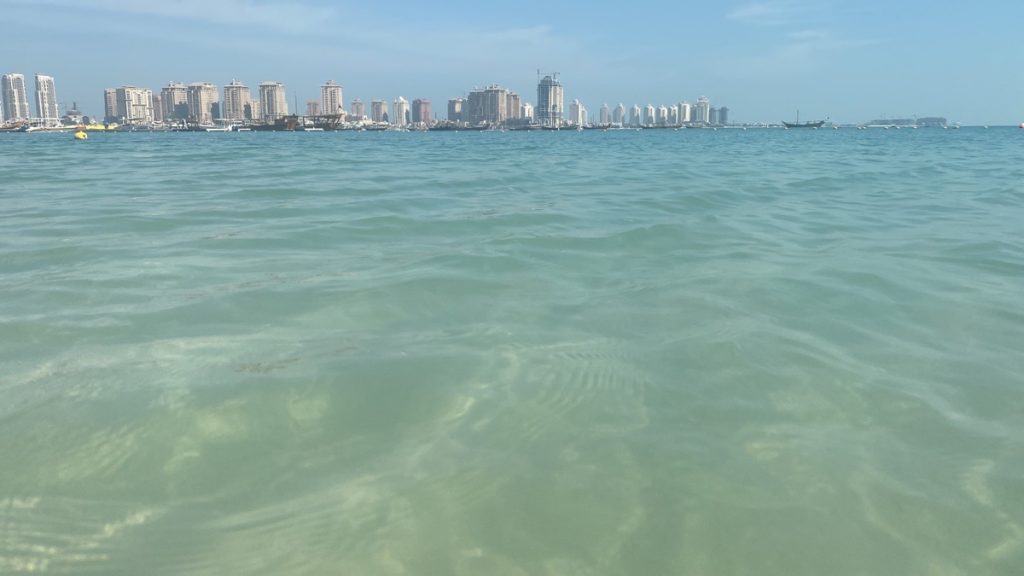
{"type": "Point", "coordinates": [81, 135]}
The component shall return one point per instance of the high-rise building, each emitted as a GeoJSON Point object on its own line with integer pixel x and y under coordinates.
{"type": "Point", "coordinates": [46, 100]}
{"type": "Point", "coordinates": [158, 108]}
{"type": "Point", "coordinates": [649, 115]}
{"type": "Point", "coordinates": [723, 116]}
{"type": "Point", "coordinates": [634, 116]}
{"type": "Point", "coordinates": [673, 115]}
{"type": "Point", "coordinates": [379, 110]}
{"type": "Point", "coordinates": [488, 105]}
{"type": "Point", "coordinates": [513, 107]}
{"type": "Point", "coordinates": [550, 101]}
{"type": "Point", "coordinates": [605, 115]}
{"type": "Point", "coordinates": [110, 105]}
{"type": "Point", "coordinates": [331, 100]}
{"type": "Point", "coordinates": [455, 109]}
{"type": "Point", "coordinates": [358, 109]}
{"type": "Point", "coordinates": [577, 114]}
{"type": "Point", "coordinates": [473, 109]}
{"type": "Point", "coordinates": [702, 111]}
{"type": "Point", "coordinates": [236, 97]}
{"type": "Point", "coordinates": [14, 96]}
{"type": "Point", "coordinates": [662, 119]}
{"type": "Point", "coordinates": [203, 102]}
{"type": "Point", "coordinates": [401, 112]}
{"type": "Point", "coordinates": [685, 112]}
{"type": "Point", "coordinates": [134, 105]}
{"type": "Point", "coordinates": [713, 116]}
{"type": "Point", "coordinates": [495, 104]}
{"type": "Point", "coordinates": [421, 113]}
{"type": "Point", "coordinates": [273, 101]}
{"type": "Point", "coordinates": [619, 115]}
{"type": "Point", "coordinates": [312, 108]}
{"type": "Point", "coordinates": [174, 98]}
{"type": "Point", "coordinates": [528, 111]}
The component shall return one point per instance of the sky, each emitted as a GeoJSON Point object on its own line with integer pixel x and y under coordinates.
{"type": "Point", "coordinates": [850, 61]}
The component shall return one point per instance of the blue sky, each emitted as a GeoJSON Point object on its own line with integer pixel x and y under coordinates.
{"type": "Point", "coordinates": [848, 60]}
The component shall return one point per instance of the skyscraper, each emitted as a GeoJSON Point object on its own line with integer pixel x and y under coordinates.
{"type": "Point", "coordinates": [550, 101]}
{"type": "Point", "coordinates": [662, 118]}
{"type": "Point", "coordinates": [421, 113]}
{"type": "Point", "coordinates": [619, 115]}
{"type": "Point", "coordinates": [473, 108]}
{"type": "Point", "coordinates": [15, 97]}
{"type": "Point", "coordinates": [513, 107]}
{"type": "Point", "coordinates": [723, 116]}
{"type": "Point", "coordinates": [312, 108]}
{"type": "Point", "coordinates": [273, 101]}
{"type": "Point", "coordinates": [685, 111]}
{"type": "Point", "coordinates": [358, 109]}
{"type": "Point", "coordinates": [379, 110]}
{"type": "Point", "coordinates": [401, 111]}
{"type": "Point", "coordinates": [236, 97]}
{"type": "Point", "coordinates": [46, 100]}
{"type": "Point", "coordinates": [455, 109]}
{"type": "Point", "coordinates": [605, 115]}
{"type": "Point", "coordinates": [702, 110]}
{"type": "Point", "coordinates": [203, 99]}
{"type": "Point", "coordinates": [489, 105]}
{"type": "Point", "coordinates": [110, 105]}
{"type": "Point", "coordinates": [634, 116]}
{"type": "Point", "coordinates": [713, 116]}
{"type": "Point", "coordinates": [577, 114]}
{"type": "Point", "coordinates": [174, 98]}
{"type": "Point", "coordinates": [134, 105]}
{"type": "Point", "coordinates": [158, 108]}
{"type": "Point", "coordinates": [495, 104]}
{"type": "Point", "coordinates": [649, 118]}
{"type": "Point", "coordinates": [528, 111]}
{"type": "Point", "coordinates": [331, 100]}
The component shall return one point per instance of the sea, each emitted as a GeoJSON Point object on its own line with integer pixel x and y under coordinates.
{"type": "Point", "coordinates": [693, 352]}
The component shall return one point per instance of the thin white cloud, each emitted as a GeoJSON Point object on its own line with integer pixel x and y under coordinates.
{"type": "Point", "coordinates": [275, 15]}
{"type": "Point", "coordinates": [774, 12]}
{"type": "Point", "coordinates": [809, 36]}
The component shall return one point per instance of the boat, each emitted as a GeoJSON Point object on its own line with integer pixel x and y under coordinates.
{"type": "Point", "coordinates": [799, 124]}
{"type": "Point", "coordinates": [219, 129]}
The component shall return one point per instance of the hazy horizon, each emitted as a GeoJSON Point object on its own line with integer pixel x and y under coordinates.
{"type": "Point", "coordinates": [851, 62]}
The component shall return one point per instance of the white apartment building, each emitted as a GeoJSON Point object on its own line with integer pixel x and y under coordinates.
{"type": "Point", "coordinates": [134, 105]}
{"type": "Point", "coordinates": [46, 100]}
{"type": "Point", "coordinates": [14, 96]}
{"type": "Point", "coordinates": [174, 99]}
{"type": "Point", "coordinates": [331, 98]}
{"type": "Point", "coordinates": [202, 97]}
{"type": "Point", "coordinates": [236, 97]}
{"type": "Point", "coordinates": [401, 112]}
{"type": "Point", "coordinates": [273, 101]}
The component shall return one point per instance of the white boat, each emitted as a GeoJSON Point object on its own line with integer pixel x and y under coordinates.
{"type": "Point", "coordinates": [219, 129]}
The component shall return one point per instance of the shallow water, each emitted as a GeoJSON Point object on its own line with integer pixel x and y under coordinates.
{"type": "Point", "coordinates": [694, 352]}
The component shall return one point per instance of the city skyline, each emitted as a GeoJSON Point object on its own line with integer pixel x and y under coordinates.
{"type": "Point", "coordinates": [199, 104]}
{"type": "Point", "coordinates": [766, 59]}
{"type": "Point", "coordinates": [202, 103]}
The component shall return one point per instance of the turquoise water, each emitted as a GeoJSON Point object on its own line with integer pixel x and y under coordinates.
{"type": "Point", "coordinates": [694, 352]}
